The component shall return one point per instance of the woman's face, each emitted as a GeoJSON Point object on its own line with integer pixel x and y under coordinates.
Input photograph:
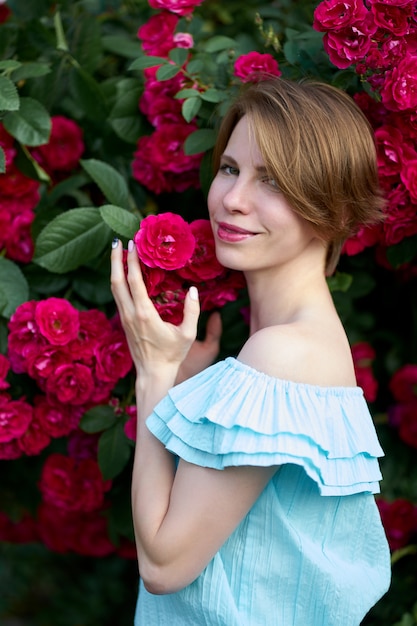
{"type": "Point", "coordinates": [254, 226]}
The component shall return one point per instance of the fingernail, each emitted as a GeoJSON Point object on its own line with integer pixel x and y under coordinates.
{"type": "Point", "coordinates": [115, 243]}
{"type": "Point", "coordinates": [193, 293]}
{"type": "Point", "coordinates": [130, 245]}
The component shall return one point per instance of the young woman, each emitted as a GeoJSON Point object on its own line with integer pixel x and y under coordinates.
{"type": "Point", "coordinates": [253, 483]}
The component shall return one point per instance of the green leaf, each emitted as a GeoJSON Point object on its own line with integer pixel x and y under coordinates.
{"type": "Point", "coordinates": [195, 66]}
{"type": "Point", "coordinates": [14, 289]}
{"type": "Point", "coordinates": [71, 239]}
{"type": "Point", "coordinates": [402, 252]}
{"type": "Point", "coordinates": [93, 287]}
{"type": "Point", "coordinates": [66, 187]}
{"type": "Point", "coordinates": [111, 183]}
{"type": "Point", "coordinates": [114, 451]}
{"type": "Point", "coordinates": [9, 65]}
{"type": "Point", "coordinates": [119, 220]}
{"type": "Point", "coordinates": [147, 61]}
{"type": "Point", "coordinates": [219, 42]}
{"type": "Point", "coordinates": [190, 108]}
{"type": "Point", "coordinates": [31, 125]}
{"type": "Point", "coordinates": [199, 141]}
{"type": "Point", "coordinates": [98, 418]}
{"type": "Point", "coordinates": [186, 93]}
{"type": "Point", "coordinates": [9, 96]}
{"type": "Point", "coordinates": [88, 95]}
{"type": "Point", "coordinates": [122, 46]}
{"type": "Point", "coordinates": [2, 161]}
{"type": "Point", "coordinates": [167, 71]}
{"type": "Point", "coordinates": [339, 282]}
{"type": "Point", "coordinates": [30, 70]}
{"type": "Point", "coordinates": [179, 55]}
{"type": "Point", "coordinates": [213, 95]}
{"type": "Point", "coordinates": [124, 117]}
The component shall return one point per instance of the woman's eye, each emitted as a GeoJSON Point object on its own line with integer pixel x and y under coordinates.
{"type": "Point", "coordinates": [229, 169]}
{"type": "Point", "coordinates": [268, 180]}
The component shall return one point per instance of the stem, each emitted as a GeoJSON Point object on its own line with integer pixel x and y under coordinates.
{"type": "Point", "coordinates": [61, 42]}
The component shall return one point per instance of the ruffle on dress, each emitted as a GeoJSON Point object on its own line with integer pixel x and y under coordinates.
{"type": "Point", "coordinates": [232, 414]}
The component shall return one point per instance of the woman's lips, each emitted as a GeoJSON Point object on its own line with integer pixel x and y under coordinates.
{"type": "Point", "coordinates": [229, 233]}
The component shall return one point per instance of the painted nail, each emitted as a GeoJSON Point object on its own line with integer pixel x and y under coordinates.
{"type": "Point", "coordinates": [193, 293]}
{"type": "Point", "coordinates": [130, 245]}
{"type": "Point", "coordinates": [115, 243]}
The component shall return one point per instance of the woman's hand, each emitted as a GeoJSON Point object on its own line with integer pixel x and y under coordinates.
{"type": "Point", "coordinates": [202, 353]}
{"type": "Point", "coordinates": [153, 343]}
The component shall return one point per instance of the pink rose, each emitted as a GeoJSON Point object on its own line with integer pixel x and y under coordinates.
{"type": "Point", "coordinates": [165, 241]}
{"type": "Point", "coordinates": [93, 326]}
{"type": "Point", "coordinates": [34, 440]}
{"type": "Point", "coordinates": [157, 34]}
{"type": "Point", "coordinates": [203, 265]}
{"type": "Point", "coordinates": [254, 66]}
{"type": "Point", "coordinates": [92, 537]}
{"type": "Point", "coordinates": [113, 359]}
{"type": "Point", "coordinates": [350, 44]}
{"type": "Point", "coordinates": [64, 148]}
{"type": "Point", "coordinates": [363, 354]}
{"type": "Point", "coordinates": [390, 154]}
{"type": "Point", "coordinates": [160, 157]}
{"type": "Point", "coordinates": [401, 219]}
{"type": "Point", "coordinates": [183, 40]}
{"type": "Point", "coordinates": [399, 91]}
{"type": "Point", "coordinates": [58, 320]}
{"type": "Point", "coordinates": [400, 521]}
{"type": "Point", "coordinates": [16, 184]}
{"type": "Point", "coordinates": [157, 101]}
{"type": "Point", "coordinates": [45, 361]}
{"type": "Point", "coordinates": [4, 370]}
{"type": "Point", "coordinates": [403, 384]}
{"type": "Point", "coordinates": [409, 177]}
{"type": "Point", "coordinates": [169, 302]}
{"type": "Point", "coordinates": [10, 450]}
{"type": "Point", "coordinates": [15, 418]}
{"type": "Point", "coordinates": [180, 7]}
{"type": "Point", "coordinates": [55, 419]}
{"type": "Point", "coordinates": [364, 238]}
{"type": "Point", "coordinates": [338, 14]}
{"type": "Point", "coordinates": [72, 383]}
{"type": "Point", "coordinates": [216, 293]}
{"type": "Point", "coordinates": [394, 16]}
{"type": "Point", "coordinates": [404, 417]}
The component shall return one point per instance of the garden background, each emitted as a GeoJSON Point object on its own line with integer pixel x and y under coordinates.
{"type": "Point", "coordinates": [108, 111]}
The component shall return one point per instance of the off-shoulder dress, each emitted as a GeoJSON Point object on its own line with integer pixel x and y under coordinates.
{"type": "Point", "coordinates": [312, 550]}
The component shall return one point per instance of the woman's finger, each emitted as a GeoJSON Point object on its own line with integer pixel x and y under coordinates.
{"type": "Point", "coordinates": [191, 314]}
{"type": "Point", "coordinates": [119, 286]}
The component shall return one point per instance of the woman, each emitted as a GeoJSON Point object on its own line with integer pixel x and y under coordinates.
{"type": "Point", "coordinates": [253, 482]}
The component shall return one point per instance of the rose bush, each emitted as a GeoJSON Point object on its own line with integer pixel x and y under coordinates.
{"type": "Point", "coordinates": [108, 114]}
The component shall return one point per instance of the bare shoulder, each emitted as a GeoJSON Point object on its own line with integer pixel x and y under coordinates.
{"type": "Point", "coordinates": [316, 354]}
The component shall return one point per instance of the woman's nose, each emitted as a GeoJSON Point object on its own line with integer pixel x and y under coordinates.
{"type": "Point", "coordinates": [238, 197]}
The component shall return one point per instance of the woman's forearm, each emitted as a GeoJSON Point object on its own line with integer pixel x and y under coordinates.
{"type": "Point", "coordinates": [154, 467]}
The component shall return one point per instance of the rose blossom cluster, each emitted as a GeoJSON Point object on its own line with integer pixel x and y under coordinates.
{"type": "Point", "coordinates": [399, 519]}
{"type": "Point", "coordinates": [254, 66]}
{"type": "Point", "coordinates": [18, 197]}
{"type": "Point", "coordinates": [159, 162]}
{"type": "Point", "coordinates": [380, 39]}
{"type": "Point", "coordinates": [64, 149]}
{"type": "Point", "coordinates": [175, 255]}
{"type": "Point", "coordinates": [363, 355]}
{"type": "Point", "coordinates": [403, 415]}
{"type": "Point", "coordinates": [75, 357]}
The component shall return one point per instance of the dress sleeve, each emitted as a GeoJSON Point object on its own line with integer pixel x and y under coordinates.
{"type": "Point", "coordinates": [231, 414]}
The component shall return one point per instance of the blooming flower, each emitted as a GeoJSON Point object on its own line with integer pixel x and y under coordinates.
{"type": "Point", "coordinates": [165, 241]}
{"type": "Point", "coordinates": [254, 66]}
{"type": "Point", "coordinates": [180, 7]}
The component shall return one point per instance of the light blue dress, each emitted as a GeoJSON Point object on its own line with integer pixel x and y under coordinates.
{"type": "Point", "coordinates": [312, 550]}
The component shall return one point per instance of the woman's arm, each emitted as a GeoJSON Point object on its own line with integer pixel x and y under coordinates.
{"type": "Point", "coordinates": [181, 518]}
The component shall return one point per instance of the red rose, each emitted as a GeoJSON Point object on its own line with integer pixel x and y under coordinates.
{"type": "Point", "coordinates": [90, 485]}
{"type": "Point", "coordinates": [57, 320]}
{"type": "Point", "coordinates": [164, 241]}
{"type": "Point", "coordinates": [4, 370]}
{"type": "Point", "coordinates": [216, 293]}
{"type": "Point", "coordinates": [365, 237]}
{"type": "Point", "coordinates": [72, 383]}
{"type": "Point", "coordinates": [92, 536]}
{"type": "Point", "coordinates": [399, 91]}
{"type": "Point", "coordinates": [130, 425]}
{"type": "Point", "coordinates": [403, 384]}
{"type": "Point", "coordinates": [157, 34]}
{"type": "Point", "coordinates": [180, 7]}
{"type": "Point", "coordinates": [157, 101]}
{"type": "Point", "coordinates": [57, 527]}
{"type": "Point", "coordinates": [393, 18]}
{"type": "Point", "coordinates": [409, 177]}
{"type": "Point", "coordinates": [363, 354]}
{"type": "Point", "coordinates": [93, 326]}
{"type": "Point", "coordinates": [10, 450]}
{"type": "Point", "coordinates": [406, 417]}
{"type": "Point", "coordinates": [56, 419]}
{"type": "Point", "coordinates": [16, 184]}
{"type": "Point", "coordinates": [400, 521]}
{"type": "Point", "coordinates": [15, 417]}
{"type": "Point", "coordinates": [64, 148]}
{"type": "Point", "coordinates": [44, 362]}
{"type": "Point", "coordinates": [113, 359]}
{"type": "Point", "coordinates": [254, 66]}
{"type": "Point", "coordinates": [203, 265]}
{"type": "Point", "coordinates": [338, 14]}
{"type": "Point", "coordinates": [351, 44]}
{"type": "Point", "coordinates": [389, 142]}
{"type": "Point", "coordinates": [34, 440]}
